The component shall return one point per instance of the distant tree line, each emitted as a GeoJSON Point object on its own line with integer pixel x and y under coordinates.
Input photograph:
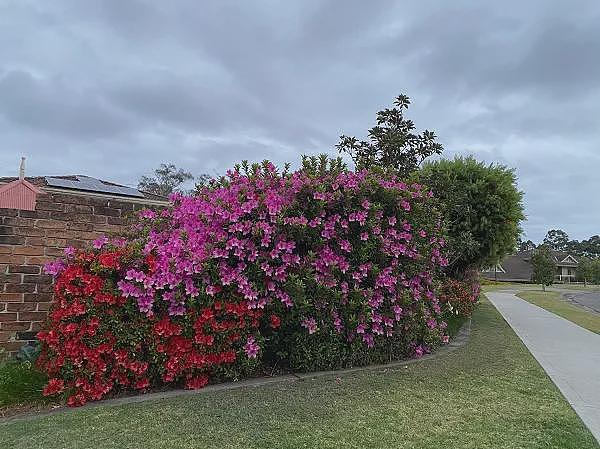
{"type": "Point", "coordinates": [558, 240]}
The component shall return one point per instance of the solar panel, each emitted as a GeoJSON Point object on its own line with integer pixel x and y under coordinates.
{"type": "Point", "coordinates": [92, 185]}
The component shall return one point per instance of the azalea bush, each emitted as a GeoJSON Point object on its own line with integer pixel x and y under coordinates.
{"type": "Point", "coordinates": [261, 269]}
{"type": "Point", "coordinates": [459, 298]}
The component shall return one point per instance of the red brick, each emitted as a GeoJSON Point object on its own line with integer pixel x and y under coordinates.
{"type": "Point", "coordinates": [10, 278]}
{"type": "Point", "coordinates": [89, 235]}
{"type": "Point", "coordinates": [82, 218]}
{"type": "Point", "coordinates": [29, 250]}
{"type": "Point", "coordinates": [50, 206]}
{"type": "Point", "coordinates": [15, 326]}
{"type": "Point", "coordinates": [20, 288]}
{"type": "Point", "coordinates": [99, 219]}
{"type": "Point", "coordinates": [17, 221]}
{"type": "Point", "coordinates": [30, 232]}
{"type": "Point", "coordinates": [36, 297]}
{"type": "Point", "coordinates": [79, 208]}
{"type": "Point", "coordinates": [3, 309]}
{"type": "Point", "coordinates": [45, 288]}
{"type": "Point", "coordinates": [5, 249]}
{"type": "Point", "coordinates": [55, 242]}
{"type": "Point", "coordinates": [11, 297]}
{"type": "Point", "coordinates": [12, 345]}
{"type": "Point", "coordinates": [50, 224]}
{"type": "Point", "coordinates": [77, 243]}
{"type": "Point", "coordinates": [21, 307]}
{"type": "Point", "coordinates": [8, 212]}
{"type": "Point", "coordinates": [25, 269]}
{"type": "Point", "coordinates": [12, 240]}
{"type": "Point", "coordinates": [12, 259]}
{"type": "Point", "coordinates": [32, 316]}
{"type": "Point", "coordinates": [63, 234]}
{"type": "Point", "coordinates": [6, 230]}
{"type": "Point", "coordinates": [43, 306]}
{"type": "Point", "coordinates": [109, 211]}
{"type": "Point", "coordinates": [80, 226]}
{"type": "Point", "coordinates": [37, 279]}
{"type": "Point", "coordinates": [70, 199]}
{"type": "Point", "coordinates": [34, 214]}
{"type": "Point", "coordinates": [108, 228]}
{"type": "Point", "coordinates": [54, 252]}
{"type": "Point", "coordinates": [5, 336]}
{"type": "Point", "coordinates": [36, 327]}
{"type": "Point", "coordinates": [38, 260]}
{"type": "Point", "coordinates": [116, 221]}
{"type": "Point", "coordinates": [7, 316]}
{"type": "Point", "coordinates": [35, 241]}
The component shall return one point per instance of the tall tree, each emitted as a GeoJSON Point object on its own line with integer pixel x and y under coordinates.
{"type": "Point", "coordinates": [166, 180]}
{"type": "Point", "coordinates": [585, 271]}
{"type": "Point", "coordinates": [483, 209]}
{"type": "Point", "coordinates": [544, 267]}
{"type": "Point", "coordinates": [391, 144]}
{"type": "Point", "coordinates": [557, 239]}
{"type": "Point", "coordinates": [527, 246]}
{"type": "Point", "coordinates": [590, 247]}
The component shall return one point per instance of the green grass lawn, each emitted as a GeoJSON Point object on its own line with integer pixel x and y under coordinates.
{"type": "Point", "coordinates": [489, 394]}
{"type": "Point", "coordinates": [20, 385]}
{"type": "Point", "coordinates": [553, 302]}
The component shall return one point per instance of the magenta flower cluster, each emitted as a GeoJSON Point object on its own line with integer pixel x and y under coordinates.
{"type": "Point", "coordinates": [351, 253]}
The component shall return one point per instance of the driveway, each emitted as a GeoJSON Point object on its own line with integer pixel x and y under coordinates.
{"type": "Point", "coordinates": [569, 354]}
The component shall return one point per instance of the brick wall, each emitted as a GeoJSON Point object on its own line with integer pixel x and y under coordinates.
{"type": "Point", "coordinates": [28, 239]}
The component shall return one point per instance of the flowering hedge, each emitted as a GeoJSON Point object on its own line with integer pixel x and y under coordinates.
{"type": "Point", "coordinates": [295, 271]}
{"type": "Point", "coordinates": [459, 297]}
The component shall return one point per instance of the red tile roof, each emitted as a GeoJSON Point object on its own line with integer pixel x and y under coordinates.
{"type": "Point", "coordinates": [19, 194]}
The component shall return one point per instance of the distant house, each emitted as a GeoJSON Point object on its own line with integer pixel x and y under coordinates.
{"type": "Point", "coordinates": [518, 267]}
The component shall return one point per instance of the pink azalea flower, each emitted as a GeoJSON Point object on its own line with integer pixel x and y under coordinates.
{"type": "Point", "coordinates": [69, 251]}
{"type": "Point", "coordinates": [310, 324]}
{"type": "Point", "coordinates": [251, 348]}
{"type": "Point", "coordinates": [100, 242]}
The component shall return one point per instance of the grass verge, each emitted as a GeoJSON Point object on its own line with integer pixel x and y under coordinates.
{"type": "Point", "coordinates": [488, 394]}
{"type": "Point", "coordinates": [553, 302]}
{"type": "Point", "coordinates": [20, 385]}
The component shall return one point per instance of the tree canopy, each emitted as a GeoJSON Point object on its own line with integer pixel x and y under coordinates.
{"type": "Point", "coordinates": [544, 267]}
{"type": "Point", "coordinates": [557, 239]}
{"type": "Point", "coordinates": [166, 179]}
{"type": "Point", "coordinates": [392, 143]}
{"type": "Point", "coordinates": [483, 209]}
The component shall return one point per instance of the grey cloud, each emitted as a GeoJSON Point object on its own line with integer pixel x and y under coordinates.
{"type": "Point", "coordinates": [53, 106]}
{"type": "Point", "coordinates": [119, 86]}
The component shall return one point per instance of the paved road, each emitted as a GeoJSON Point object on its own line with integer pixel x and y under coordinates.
{"type": "Point", "coordinates": [569, 354]}
{"type": "Point", "coordinates": [590, 300]}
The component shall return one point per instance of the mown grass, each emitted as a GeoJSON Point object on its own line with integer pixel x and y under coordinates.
{"type": "Point", "coordinates": [20, 384]}
{"type": "Point", "coordinates": [553, 302]}
{"type": "Point", "coordinates": [489, 394]}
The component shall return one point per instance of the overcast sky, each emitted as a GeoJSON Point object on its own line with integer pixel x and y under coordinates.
{"type": "Point", "coordinates": [111, 89]}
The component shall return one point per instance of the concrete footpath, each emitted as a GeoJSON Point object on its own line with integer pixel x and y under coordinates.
{"type": "Point", "coordinates": [569, 354]}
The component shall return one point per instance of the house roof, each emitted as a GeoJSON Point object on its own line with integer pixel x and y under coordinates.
{"type": "Point", "coordinates": [512, 268]}
{"type": "Point", "coordinates": [19, 194]}
{"type": "Point", "coordinates": [83, 184]}
{"type": "Point", "coordinates": [518, 267]}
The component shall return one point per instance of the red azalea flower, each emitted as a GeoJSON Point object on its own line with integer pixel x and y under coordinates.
{"type": "Point", "coordinates": [197, 382]}
{"type": "Point", "coordinates": [141, 384]}
{"type": "Point", "coordinates": [165, 328]}
{"type": "Point", "coordinates": [275, 321]}
{"type": "Point", "coordinates": [53, 387]}
{"type": "Point", "coordinates": [110, 260]}
{"type": "Point", "coordinates": [76, 400]}
{"type": "Point", "coordinates": [151, 262]}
